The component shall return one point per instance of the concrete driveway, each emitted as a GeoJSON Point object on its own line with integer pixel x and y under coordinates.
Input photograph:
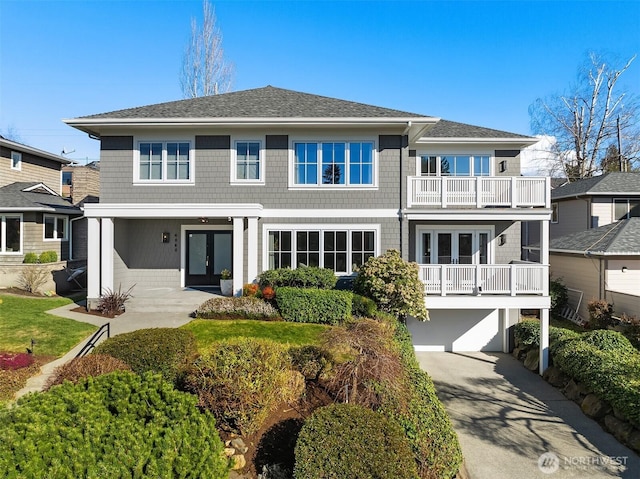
{"type": "Point", "coordinates": [512, 424]}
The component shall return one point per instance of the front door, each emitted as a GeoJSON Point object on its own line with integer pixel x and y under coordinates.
{"type": "Point", "coordinates": [208, 253]}
{"type": "Point", "coordinates": [453, 247]}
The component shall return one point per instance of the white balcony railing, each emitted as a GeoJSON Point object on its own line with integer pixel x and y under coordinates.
{"type": "Point", "coordinates": [481, 279]}
{"type": "Point", "coordinates": [478, 191]}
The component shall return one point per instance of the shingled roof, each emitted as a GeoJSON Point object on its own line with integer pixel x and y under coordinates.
{"type": "Point", "coordinates": [451, 129]}
{"type": "Point", "coordinates": [13, 197]}
{"type": "Point", "coordinates": [619, 238]}
{"type": "Point", "coordinates": [607, 184]}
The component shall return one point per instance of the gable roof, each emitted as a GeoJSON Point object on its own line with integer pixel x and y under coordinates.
{"type": "Point", "coordinates": [619, 238]}
{"type": "Point", "coordinates": [19, 147]}
{"type": "Point", "coordinates": [271, 105]}
{"type": "Point", "coordinates": [606, 184]}
{"type": "Point", "coordinates": [33, 196]}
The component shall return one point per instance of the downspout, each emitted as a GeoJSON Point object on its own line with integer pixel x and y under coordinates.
{"type": "Point", "coordinates": [401, 190]}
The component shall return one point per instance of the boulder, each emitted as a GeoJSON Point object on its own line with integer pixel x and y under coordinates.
{"type": "Point", "coordinates": [531, 361]}
{"type": "Point", "coordinates": [595, 407]}
{"type": "Point", "coordinates": [620, 429]}
{"type": "Point", "coordinates": [239, 445]}
{"type": "Point", "coordinates": [574, 391]}
{"type": "Point", "coordinates": [238, 462]}
{"type": "Point", "coordinates": [555, 377]}
{"type": "Point", "coordinates": [634, 440]}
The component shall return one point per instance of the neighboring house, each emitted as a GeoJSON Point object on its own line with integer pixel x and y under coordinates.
{"type": "Point", "coordinates": [591, 241]}
{"type": "Point", "coordinates": [34, 216]}
{"type": "Point", "coordinates": [601, 263]}
{"type": "Point", "coordinates": [269, 178]}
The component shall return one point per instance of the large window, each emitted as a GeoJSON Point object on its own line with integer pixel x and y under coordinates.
{"type": "Point", "coordinates": [349, 164]}
{"type": "Point", "coordinates": [343, 250]}
{"type": "Point", "coordinates": [248, 162]}
{"type": "Point", "coordinates": [16, 160]}
{"type": "Point", "coordinates": [455, 165]}
{"type": "Point", "coordinates": [55, 227]}
{"type": "Point", "coordinates": [11, 233]}
{"type": "Point", "coordinates": [626, 208]}
{"type": "Point", "coordinates": [454, 246]}
{"type": "Point", "coordinates": [164, 162]}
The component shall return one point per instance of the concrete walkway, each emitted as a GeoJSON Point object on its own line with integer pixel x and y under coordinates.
{"type": "Point", "coordinates": [507, 418]}
{"type": "Point", "coordinates": [152, 308]}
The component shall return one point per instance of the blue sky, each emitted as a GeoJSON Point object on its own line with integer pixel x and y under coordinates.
{"type": "Point", "coordinates": [478, 62]}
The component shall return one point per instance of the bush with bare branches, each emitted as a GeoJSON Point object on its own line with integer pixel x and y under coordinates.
{"type": "Point", "coordinates": [33, 277]}
{"type": "Point", "coordinates": [88, 366]}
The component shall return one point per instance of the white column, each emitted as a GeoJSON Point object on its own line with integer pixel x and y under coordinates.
{"type": "Point", "coordinates": [107, 254]}
{"type": "Point", "coordinates": [238, 256]}
{"type": "Point", "coordinates": [93, 260]}
{"type": "Point", "coordinates": [544, 339]}
{"type": "Point", "coordinates": [252, 249]}
{"type": "Point", "coordinates": [505, 329]}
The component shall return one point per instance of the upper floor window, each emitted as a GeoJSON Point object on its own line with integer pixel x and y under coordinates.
{"type": "Point", "coordinates": [455, 165]}
{"type": "Point", "coordinates": [247, 162]}
{"type": "Point", "coordinates": [67, 178]}
{"type": "Point", "coordinates": [16, 160]}
{"type": "Point", "coordinates": [10, 233]}
{"type": "Point", "coordinates": [348, 164]}
{"type": "Point", "coordinates": [626, 208]}
{"type": "Point", "coordinates": [55, 227]}
{"type": "Point", "coordinates": [169, 161]}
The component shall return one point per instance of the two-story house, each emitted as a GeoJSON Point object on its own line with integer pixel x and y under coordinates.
{"type": "Point", "coordinates": [34, 216]}
{"type": "Point", "coordinates": [269, 178]}
{"type": "Point", "coordinates": [595, 241]}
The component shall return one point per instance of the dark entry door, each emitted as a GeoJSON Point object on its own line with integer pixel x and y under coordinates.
{"type": "Point", "coordinates": [208, 253]}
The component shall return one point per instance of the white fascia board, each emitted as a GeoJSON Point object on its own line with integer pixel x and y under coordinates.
{"type": "Point", "coordinates": [514, 214]}
{"type": "Point", "coordinates": [40, 185]}
{"type": "Point", "coordinates": [329, 213]}
{"type": "Point", "coordinates": [163, 210]}
{"type": "Point", "coordinates": [624, 194]}
{"type": "Point", "coordinates": [492, 301]}
{"type": "Point", "coordinates": [589, 254]}
{"type": "Point", "coordinates": [471, 140]}
{"type": "Point", "coordinates": [12, 145]}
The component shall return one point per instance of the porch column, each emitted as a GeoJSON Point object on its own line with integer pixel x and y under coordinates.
{"type": "Point", "coordinates": [238, 255]}
{"type": "Point", "coordinates": [505, 329]}
{"type": "Point", "coordinates": [107, 255]}
{"type": "Point", "coordinates": [252, 249]}
{"type": "Point", "coordinates": [93, 260]}
{"type": "Point", "coordinates": [544, 313]}
{"type": "Point", "coordinates": [544, 340]}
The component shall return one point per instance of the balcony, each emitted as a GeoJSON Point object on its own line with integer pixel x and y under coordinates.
{"type": "Point", "coordinates": [484, 279]}
{"type": "Point", "coordinates": [478, 191]}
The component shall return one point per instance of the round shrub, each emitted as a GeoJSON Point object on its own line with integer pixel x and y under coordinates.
{"type": "Point", "coordinates": [79, 368]}
{"type": "Point", "coordinates": [302, 277]}
{"type": "Point", "coordinates": [312, 305]}
{"type": "Point", "coordinates": [558, 294]}
{"type": "Point", "coordinates": [167, 351]}
{"type": "Point", "coordinates": [30, 258]}
{"type": "Point", "coordinates": [116, 425]}
{"type": "Point", "coordinates": [606, 340]}
{"type": "Point", "coordinates": [241, 380]}
{"type": "Point", "coordinates": [48, 257]}
{"type": "Point", "coordinates": [237, 308]}
{"type": "Point", "coordinates": [346, 440]}
{"type": "Point", "coordinates": [527, 333]}
{"type": "Point", "coordinates": [363, 307]}
{"type": "Point", "coordinates": [394, 284]}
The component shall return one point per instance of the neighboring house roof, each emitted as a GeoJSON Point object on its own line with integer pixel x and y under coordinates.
{"type": "Point", "coordinates": [558, 182]}
{"type": "Point", "coordinates": [33, 196]}
{"type": "Point", "coordinates": [270, 105]}
{"type": "Point", "coordinates": [619, 238]}
{"type": "Point", "coordinates": [607, 184]}
{"type": "Point", "coordinates": [15, 146]}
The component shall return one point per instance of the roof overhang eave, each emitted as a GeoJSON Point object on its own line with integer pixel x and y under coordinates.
{"type": "Point", "coordinates": [19, 147]}
{"type": "Point", "coordinates": [522, 141]}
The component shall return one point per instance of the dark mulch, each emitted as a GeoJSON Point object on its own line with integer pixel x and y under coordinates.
{"type": "Point", "coordinates": [93, 312]}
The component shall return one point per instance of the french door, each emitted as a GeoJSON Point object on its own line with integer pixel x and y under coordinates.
{"type": "Point", "coordinates": [208, 253]}
{"type": "Point", "coordinates": [453, 247]}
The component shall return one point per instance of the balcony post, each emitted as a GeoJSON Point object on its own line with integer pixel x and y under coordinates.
{"type": "Point", "coordinates": [410, 185]}
{"type": "Point", "coordinates": [443, 191]}
{"type": "Point", "coordinates": [443, 286]}
{"type": "Point", "coordinates": [478, 191]}
{"type": "Point", "coordinates": [514, 199]}
{"type": "Point", "coordinates": [512, 279]}
{"type": "Point", "coordinates": [547, 192]}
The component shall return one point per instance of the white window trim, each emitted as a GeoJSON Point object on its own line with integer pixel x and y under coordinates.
{"type": "Point", "coordinates": [329, 139]}
{"type": "Point", "coordinates": [18, 155]}
{"type": "Point", "coordinates": [3, 234]}
{"type": "Point", "coordinates": [164, 140]}
{"type": "Point", "coordinates": [266, 228]}
{"type": "Point", "coordinates": [233, 179]}
{"type": "Point", "coordinates": [475, 229]}
{"type": "Point", "coordinates": [55, 230]}
{"type": "Point", "coordinates": [472, 154]}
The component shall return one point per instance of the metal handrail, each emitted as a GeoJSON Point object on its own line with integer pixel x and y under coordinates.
{"type": "Point", "coordinates": [105, 328]}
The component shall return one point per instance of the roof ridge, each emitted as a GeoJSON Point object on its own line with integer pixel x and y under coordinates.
{"type": "Point", "coordinates": [617, 227]}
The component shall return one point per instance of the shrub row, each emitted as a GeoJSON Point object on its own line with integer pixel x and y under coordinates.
{"type": "Point", "coordinates": [246, 307]}
{"type": "Point", "coordinates": [302, 277]}
{"type": "Point", "coordinates": [351, 441]}
{"type": "Point", "coordinates": [314, 305]}
{"type": "Point", "coordinates": [44, 257]}
{"type": "Point", "coordinates": [166, 351]}
{"type": "Point", "coordinates": [116, 425]}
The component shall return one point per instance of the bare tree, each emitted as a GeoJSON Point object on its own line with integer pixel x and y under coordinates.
{"type": "Point", "coordinates": [591, 117]}
{"type": "Point", "coordinates": [205, 71]}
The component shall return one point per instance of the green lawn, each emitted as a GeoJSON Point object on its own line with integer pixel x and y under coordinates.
{"type": "Point", "coordinates": [209, 331]}
{"type": "Point", "coordinates": [23, 319]}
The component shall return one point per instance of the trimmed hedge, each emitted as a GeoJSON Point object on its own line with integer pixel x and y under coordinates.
{"type": "Point", "coordinates": [302, 277]}
{"type": "Point", "coordinates": [246, 307]}
{"type": "Point", "coordinates": [314, 305]}
{"type": "Point", "coordinates": [117, 425]}
{"type": "Point", "coordinates": [350, 441]}
{"type": "Point", "coordinates": [363, 307]}
{"type": "Point", "coordinates": [606, 340]}
{"type": "Point", "coordinates": [240, 381]}
{"type": "Point", "coordinates": [167, 351]}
